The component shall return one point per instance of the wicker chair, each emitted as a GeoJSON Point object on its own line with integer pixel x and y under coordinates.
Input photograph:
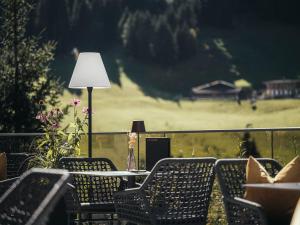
{"type": "Point", "coordinates": [32, 197]}
{"type": "Point", "coordinates": [16, 163]}
{"type": "Point", "coordinates": [93, 194]}
{"type": "Point", "coordinates": [5, 184]}
{"type": "Point", "coordinates": [176, 192]}
{"type": "Point", "coordinates": [231, 175]}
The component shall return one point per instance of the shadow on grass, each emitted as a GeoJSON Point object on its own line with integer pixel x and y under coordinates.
{"type": "Point", "coordinates": [254, 53]}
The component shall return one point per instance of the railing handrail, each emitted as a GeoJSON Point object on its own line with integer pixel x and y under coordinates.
{"type": "Point", "coordinates": [172, 131]}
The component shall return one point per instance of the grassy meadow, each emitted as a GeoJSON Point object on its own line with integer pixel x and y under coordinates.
{"type": "Point", "coordinates": [115, 108]}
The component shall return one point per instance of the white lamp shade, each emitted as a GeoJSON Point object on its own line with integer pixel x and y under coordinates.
{"type": "Point", "coordinates": [89, 71]}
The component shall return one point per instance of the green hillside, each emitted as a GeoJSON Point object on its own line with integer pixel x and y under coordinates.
{"type": "Point", "coordinates": [115, 108]}
{"type": "Point", "coordinates": [255, 53]}
{"type": "Point", "coordinates": [152, 93]}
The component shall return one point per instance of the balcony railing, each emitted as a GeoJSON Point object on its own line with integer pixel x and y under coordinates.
{"type": "Point", "coordinates": [279, 143]}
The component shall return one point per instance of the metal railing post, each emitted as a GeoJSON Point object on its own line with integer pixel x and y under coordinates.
{"type": "Point", "coordinates": [272, 144]}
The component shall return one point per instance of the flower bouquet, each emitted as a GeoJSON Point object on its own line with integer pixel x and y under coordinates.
{"type": "Point", "coordinates": [131, 158]}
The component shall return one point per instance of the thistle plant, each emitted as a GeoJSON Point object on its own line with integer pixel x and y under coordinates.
{"type": "Point", "coordinates": [57, 141]}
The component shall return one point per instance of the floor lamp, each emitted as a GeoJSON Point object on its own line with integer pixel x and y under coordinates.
{"type": "Point", "coordinates": [89, 72]}
{"type": "Point", "coordinates": [138, 126]}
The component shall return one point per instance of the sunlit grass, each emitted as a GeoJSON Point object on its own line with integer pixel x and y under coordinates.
{"type": "Point", "coordinates": [115, 108]}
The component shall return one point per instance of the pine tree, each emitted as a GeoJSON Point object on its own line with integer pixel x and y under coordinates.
{"type": "Point", "coordinates": [187, 42]}
{"type": "Point", "coordinates": [186, 14]}
{"type": "Point", "coordinates": [165, 48]}
{"type": "Point", "coordinates": [123, 19]}
{"type": "Point", "coordinates": [144, 34]}
{"type": "Point", "coordinates": [129, 37]}
{"type": "Point", "coordinates": [24, 70]}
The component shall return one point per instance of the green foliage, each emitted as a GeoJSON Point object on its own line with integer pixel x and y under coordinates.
{"type": "Point", "coordinates": [162, 37]}
{"type": "Point", "coordinates": [187, 42]}
{"type": "Point", "coordinates": [144, 35]}
{"type": "Point", "coordinates": [165, 49]}
{"type": "Point", "coordinates": [123, 20]}
{"type": "Point", "coordinates": [24, 69]}
{"type": "Point", "coordinates": [56, 141]}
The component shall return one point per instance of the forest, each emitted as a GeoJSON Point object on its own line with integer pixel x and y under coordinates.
{"type": "Point", "coordinates": [195, 41]}
{"type": "Point", "coordinates": [97, 23]}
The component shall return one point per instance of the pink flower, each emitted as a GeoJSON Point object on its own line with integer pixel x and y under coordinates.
{"type": "Point", "coordinates": [85, 110]}
{"type": "Point", "coordinates": [55, 125]}
{"type": "Point", "coordinates": [38, 116]}
{"type": "Point", "coordinates": [41, 117]}
{"type": "Point", "coordinates": [75, 102]}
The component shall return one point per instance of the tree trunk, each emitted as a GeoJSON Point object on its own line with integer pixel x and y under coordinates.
{"type": "Point", "coordinates": [16, 65]}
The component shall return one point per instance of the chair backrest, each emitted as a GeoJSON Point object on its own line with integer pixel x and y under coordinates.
{"type": "Point", "coordinates": [180, 188]}
{"type": "Point", "coordinates": [5, 184]}
{"type": "Point", "coordinates": [14, 163]}
{"type": "Point", "coordinates": [231, 174]}
{"type": "Point", "coordinates": [32, 197]}
{"type": "Point", "coordinates": [91, 189]}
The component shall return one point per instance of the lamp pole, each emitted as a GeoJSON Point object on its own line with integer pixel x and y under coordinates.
{"type": "Point", "coordinates": [138, 162]}
{"type": "Point", "coordinates": [138, 126]}
{"type": "Point", "coordinates": [90, 73]}
{"type": "Point", "coordinates": [90, 89]}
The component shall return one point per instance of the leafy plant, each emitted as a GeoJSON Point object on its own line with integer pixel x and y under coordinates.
{"type": "Point", "coordinates": [57, 142]}
{"type": "Point", "coordinates": [24, 68]}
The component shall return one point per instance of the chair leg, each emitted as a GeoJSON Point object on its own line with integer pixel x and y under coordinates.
{"type": "Point", "coordinates": [79, 218]}
{"type": "Point", "coordinates": [89, 217]}
{"type": "Point", "coordinates": [111, 221]}
{"type": "Point", "coordinates": [69, 219]}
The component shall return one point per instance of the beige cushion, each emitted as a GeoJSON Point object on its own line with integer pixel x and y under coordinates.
{"type": "Point", "coordinates": [3, 166]}
{"type": "Point", "coordinates": [277, 203]}
{"type": "Point", "coordinates": [296, 215]}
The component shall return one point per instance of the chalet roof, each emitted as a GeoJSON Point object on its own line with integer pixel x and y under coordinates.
{"type": "Point", "coordinates": [217, 92]}
{"type": "Point", "coordinates": [284, 81]}
{"type": "Point", "coordinates": [206, 87]}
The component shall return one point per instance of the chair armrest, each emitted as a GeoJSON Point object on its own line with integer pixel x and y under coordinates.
{"type": "Point", "coordinates": [132, 204]}
{"type": "Point", "coordinates": [126, 184]}
{"type": "Point", "coordinates": [25, 165]}
{"type": "Point", "coordinates": [5, 184]}
{"type": "Point", "coordinates": [128, 191]}
{"type": "Point", "coordinates": [242, 211]}
{"type": "Point", "coordinates": [138, 184]}
{"type": "Point", "coordinates": [71, 198]}
{"type": "Point", "coordinates": [248, 203]}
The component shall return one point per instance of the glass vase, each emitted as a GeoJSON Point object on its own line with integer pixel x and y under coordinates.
{"type": "Point", "coordinates": [131, 160]}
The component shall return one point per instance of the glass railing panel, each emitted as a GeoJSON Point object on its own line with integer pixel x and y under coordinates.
{"type": "Point", "coordinates": [112, 146]}
{"type": "Point", "coordinates": [286, 145]}
{"type": "Point", "coordinates": [217, 144]}
{"type": "Point", "coordinates": [18, 143]}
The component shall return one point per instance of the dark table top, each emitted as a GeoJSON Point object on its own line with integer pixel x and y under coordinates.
{"type": "Point", "coordinates": [276, 186]}
{"type": "Point", "coordinates": [118, 173]}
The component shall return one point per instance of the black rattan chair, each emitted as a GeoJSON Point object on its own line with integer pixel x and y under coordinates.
{"type": "Point", "coordinates": [32, 197]}
{"type": "Point", "coordinates": [16, 163]}
{"type": "Point", "coordinates": [231, 175]}
{"type": "Point", "coordinates": [5, 184]}
{"type": "Point", "coordinates": [93, 194]}
{"type": "Point", "coordinates": [176, 192]}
